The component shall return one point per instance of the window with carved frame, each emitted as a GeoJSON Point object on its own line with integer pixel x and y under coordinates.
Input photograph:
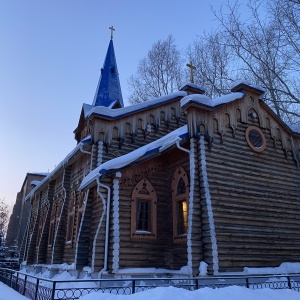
{"type": "Point", "coordinates": [143, 211]}
{"type": "Point", "coordinates": [70, 218]}
{"type": "Point", "coordinates": [42, 220]}
{"type": "Point", "coordinates": [53, 223]}
{"type": "Point", "coordinates": [180, 196]}
{"type": "Point", "coordinates": [80, 207]}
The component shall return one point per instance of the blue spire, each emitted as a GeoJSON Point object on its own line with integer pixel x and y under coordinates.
{"type": "Point", "coordinates": [108, 91]}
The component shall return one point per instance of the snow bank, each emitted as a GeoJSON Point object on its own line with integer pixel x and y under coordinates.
{"type": "Point", "coordinates": [228, 293]}
{"type": "Point", "coordinates": [284, 268]}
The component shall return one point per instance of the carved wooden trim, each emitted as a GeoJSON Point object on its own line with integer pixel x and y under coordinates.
{"type": "Point", "coordinates": [151, 199]}
{"type": "Point", "coordinates": [179, 174]}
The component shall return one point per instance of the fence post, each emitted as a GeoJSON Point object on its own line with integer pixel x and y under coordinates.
{"type": "Point", "coordinates": [25, 280]}
{"type": "Point", "coordinates": [247, 282]}
{"type": "Point", "coordinates": [11, 273]}
{"type": "Point", "coordinates": [53, 290]}
{"type": "Point", "coordinates": [36, 288]}
{"type": "Point", "coordinates": [289, 282]}
{"type": "Point", "coordinates": [133, 286]}
{"type": "Point", "coordinates": [196, 284]}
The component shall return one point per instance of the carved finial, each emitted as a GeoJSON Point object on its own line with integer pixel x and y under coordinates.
{"type": "Point", "coordinates": [190, 65]}
{"type": "Point", "coordinates": [112, 29]}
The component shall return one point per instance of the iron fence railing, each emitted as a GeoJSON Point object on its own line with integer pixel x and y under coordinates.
{"type": "Point", "coordinates": [46, 289]}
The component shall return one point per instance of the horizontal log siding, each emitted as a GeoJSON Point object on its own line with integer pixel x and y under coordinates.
{"type": "Point", "coordinates": [33, 229]}
{"type": "Point", "coordinates": [255, 198]}
{"type": "Point", "coordinates": [46, 200]}
{"type": "Point", "coordinates": [141, 138]}
{"type": "Point", "coordinates": [161, 252]}
{"type": "Point", "coordinates": [85, 242]}
{"type": "Point", "coordinates": [97, 210]}
{"type": "Point", "coordinates": [77, 173]}
{"type": "Point", "coordinates": [60, 235]}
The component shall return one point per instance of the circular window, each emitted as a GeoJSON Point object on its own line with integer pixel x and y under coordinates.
{"type": "Point", "coordinates": [255, 139]}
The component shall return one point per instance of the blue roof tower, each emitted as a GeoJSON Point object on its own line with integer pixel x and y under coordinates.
{"type": "Point", "coordinates": [108, 92]}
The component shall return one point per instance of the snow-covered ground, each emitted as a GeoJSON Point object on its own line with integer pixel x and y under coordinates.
{"type": "Point", "coordinates": [162, 293]}
{"type": "Point", "coordinates": [228, 293]}
{"type": "Point", "coordinates": [6, 293]}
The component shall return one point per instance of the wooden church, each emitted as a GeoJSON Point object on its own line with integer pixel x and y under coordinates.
{"type": "Point", "coordinates": [162, 186]}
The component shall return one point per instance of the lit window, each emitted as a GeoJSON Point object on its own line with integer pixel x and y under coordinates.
{"type": "Point", "coordinates": [180, 194]}
{"type": "Point", "coordinates": [143, 211]}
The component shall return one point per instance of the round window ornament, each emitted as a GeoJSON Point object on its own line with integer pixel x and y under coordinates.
{"type": "Point", "coordinates": [255, 139]}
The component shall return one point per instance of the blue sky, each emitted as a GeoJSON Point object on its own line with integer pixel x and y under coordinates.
{"type": "Point", "coordinates": [50, 58]}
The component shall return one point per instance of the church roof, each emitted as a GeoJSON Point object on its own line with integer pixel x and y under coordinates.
{"type": "Point", "coordinates": [159, 145]}
{"type": "Point", "coordinates": [109, 89]}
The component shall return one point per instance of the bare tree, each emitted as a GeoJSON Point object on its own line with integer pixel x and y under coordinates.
{"type": "Point", "coordinates": [267, 48]}
{"type": "Point", "coordinates": [214, 64]}
{"type": "Point", "coordinates": [158, 74]}
{"type": "Point", "coordinates": [4, 210]}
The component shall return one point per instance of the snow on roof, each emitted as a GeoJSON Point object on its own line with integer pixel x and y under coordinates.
{"type": "Point", "coordinates": [35, 182]}
{"type": "Point", "coordinates": [208, 102]}
{"type": "Point", "coordinates": [86, 109]}
{"type": "Point", "coordinates": [59, 166]}
{"type": "Point", "coordinates": [122, 161]}
{"type": "Point", "coordinates": [244, 82]}
{"type": "Point", "coordinates": [118, 112]}
{"type": "Point", "coordinates": [193, 86]}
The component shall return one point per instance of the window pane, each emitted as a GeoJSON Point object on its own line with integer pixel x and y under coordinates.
{"type": "Point", "coordinates": [143, 215]}
{"type": "Point", "coordinates": [181, 217]}
{"type": "Point", "coordinates": [181, 189]}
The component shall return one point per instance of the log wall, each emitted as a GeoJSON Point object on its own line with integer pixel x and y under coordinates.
{"type": "Point", "coordinates": [256, 204]}
{"type": "Point", "coordinates": [161, 252]}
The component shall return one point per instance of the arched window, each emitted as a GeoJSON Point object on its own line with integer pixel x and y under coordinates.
{"type": "Point", "coordinates": [143, 211]}
{"type": "Point", "coordinates": [180, 196]}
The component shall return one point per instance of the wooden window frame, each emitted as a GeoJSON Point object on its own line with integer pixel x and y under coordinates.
{"type": "Point", "coordinates": [51, 233]}
{"type": "Point", "coordinates": [179, 174]}
{"type": "Point", "coordinates": [79, 214]}
{"type": "Point", "coordinates": [71, 220]}
{"type": "Point", "coordinates": [256, 149]}
{"type": "Point", "coordinates": [151, 198]}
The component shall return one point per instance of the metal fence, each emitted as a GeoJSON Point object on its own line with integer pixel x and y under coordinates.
{"type": "Point", "coordinates": [46, 289]}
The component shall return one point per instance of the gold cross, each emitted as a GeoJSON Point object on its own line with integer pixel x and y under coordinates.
{"type": "Point", "coordinates": [112, 29]}
{"type": "Point", "coordinates": [190, 65]}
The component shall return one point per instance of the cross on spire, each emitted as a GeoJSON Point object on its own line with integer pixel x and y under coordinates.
{"type": "Point", "coordinates": [112, 29]}
{"type": "Point", "coordinates": [192, 67]}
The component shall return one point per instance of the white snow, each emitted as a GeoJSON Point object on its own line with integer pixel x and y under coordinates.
{"type": "Point", "coordinates": [114, 113]}
{"type": "Point", "coordinates": [228, 293]}
{"type": "Point", "coordinates": [162, 293]}
{"type": "Point", "coordinates": [122, 161]}
{"type": "Point", "coordinates": [206, 101]}
{"type": "Point", "coordinates": [284, 268]}
{"type": "Point", "coordinates": [242, 81]}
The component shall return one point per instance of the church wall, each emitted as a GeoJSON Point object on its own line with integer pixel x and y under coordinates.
{"type": "Point", "coordinates": [255, 199]}
{"type": "Point", "coordinates": [74, 203]}
{"type": "Point", "coordinates": [131, 132]}
{"type": "Point", "coordinates": [33, 229]}
{"type": "Point", "coordinates": [97, 214]}
{"type": "Point", "coordinates": [43, 224]}
{"type": "Point", "coordinates": [160, 252]}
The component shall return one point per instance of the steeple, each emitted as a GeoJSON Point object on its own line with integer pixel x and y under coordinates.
{"type": "Point", "coordinates": [108, 91]}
